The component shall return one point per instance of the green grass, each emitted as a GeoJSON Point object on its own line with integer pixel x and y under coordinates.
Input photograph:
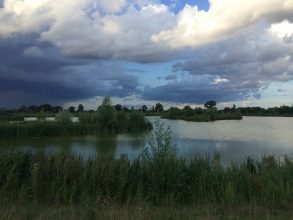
{"type": "Point", "coordinates": [160, 181]}
{"type": "Point", "coordinates": [129, 212]}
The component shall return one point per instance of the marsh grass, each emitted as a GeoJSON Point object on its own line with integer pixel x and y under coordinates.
{"type": "Point", "coordinates": [158, 177]}
{"type": "Point", "coordinates": [91, 124]}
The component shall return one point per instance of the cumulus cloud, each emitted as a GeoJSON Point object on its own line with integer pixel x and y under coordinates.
{"type": "Point", "coordinates": [196, 27]}
{"type": "Point", "coordinates": [116, 29]}
{"type": "Point", "coordinates": [118, 36]}
{"type": "Point", "coordinates": [235, 68]}
{"type": "Point", "coordinates": [229, 52]}
{"type": "Point", "coordinates": [136, 30]}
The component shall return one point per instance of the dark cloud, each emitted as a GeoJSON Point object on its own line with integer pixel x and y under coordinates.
{"type": "Point", "coordinates": [195, 90]}
{"type": "Point", "coordinates": [33, 72]}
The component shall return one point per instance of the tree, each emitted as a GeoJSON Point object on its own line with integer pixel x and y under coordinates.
{"type": "Point", "coordinates": [57, 109]}
{"type": "Point", "coordinates": [159, 107]}
{"type": "Point", "coordinates": [226, 109]}
{"type": "Point", "coordinates": [106, 114]}
{"type": "Point", "coordinates": [118, 107]}
{"type": "Point", "coordinates": [144, 108]}
{"type": "Point", "coordinates": [125, 109]}
{"type": "Point", "coordinates": [46, 108]}
{"type": "Point", "coordinates": [107, 101]}
{"type": "Point", "coordinates": [63, 117]}
{"type": "Point", "coordinates": [71, 109]}
{"type": "Point", "coordinates": [210, 104]}
{"type": "Point", "coordinates": [80, 108]}
{"type": "Point", "coordinates": [187, 111]}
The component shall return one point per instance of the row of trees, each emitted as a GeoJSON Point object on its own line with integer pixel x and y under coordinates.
{"type": "Point", "coordinates": [275, 111]}
{"type": "Point", "coordinates": [157, 108]}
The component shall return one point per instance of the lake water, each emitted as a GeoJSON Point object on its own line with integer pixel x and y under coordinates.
{"type": "Point", "coordinates": [234, 140]}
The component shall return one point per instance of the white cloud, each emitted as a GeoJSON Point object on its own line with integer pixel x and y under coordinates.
{"type": "Point", "coordinates": [121, 36]}
{"type": "Point", "coordinates": [136, 30]}
{"type": "Point", "coordinates": [195, 27]}
{"type": "Point", "coordinates": [283, 30]}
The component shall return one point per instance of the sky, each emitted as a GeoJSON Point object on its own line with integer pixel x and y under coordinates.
{"type": "Point", "coordinates": [187, 52]}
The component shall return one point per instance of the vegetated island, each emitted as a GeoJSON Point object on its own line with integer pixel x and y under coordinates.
{"type": "Point", "coordinates": [46, 122]}
{"type": "Point", "coordinates": [201, 115]}
{"type": "Point", "coordinates": [211, 113]}
{"type": "Point", "coordinates": [156, 185]}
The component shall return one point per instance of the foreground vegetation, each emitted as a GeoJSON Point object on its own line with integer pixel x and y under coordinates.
{"type": "Point", "coordinates": [157, 180]}
{"type": "Point", "coordinates": [142, 211]}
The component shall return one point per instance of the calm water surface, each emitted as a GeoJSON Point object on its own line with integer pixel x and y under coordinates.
{"type": "Point", "coordinates": [234, 140]}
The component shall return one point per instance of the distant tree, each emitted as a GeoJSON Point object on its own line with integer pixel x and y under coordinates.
{"type": "Point", "coordinates": [33, 109]}
{"type": "Point", "coordinates": [41, 115]}
{"type": "Point", "coordinates": [173, 112]}
{"type": "Point", "coordinates": [210, 104]}
{"type": "Point", "coordinates": [125, 109]}
{"type": "Point", "coordinates": [107, 101]}
{"type": "Point", "coordinates": [144, 108]}
{"type": "Point", "coordinates": [71, 109]}
{"type": "Point", "coordinates": [57, 109]}
{"type": "Point", "coordinates": [46, 108]}
{"type": "Point", "coordinates": [63, 117]}
{"type": "Point", "coordinates": [22, 109]}
{"type": "Point", "coordinates": [80, 108]}
{"type": "Point", "coordinates": [118, 107]}
{"type": "Point", "coordinates": [106, 114]}
{"type": "Point", "coordinates": [198, 111]}
{"type": "Point", "coordinates": [159, 107]}
{"type": "Point", "coordinates": [187, 111]}
{"type": "Point", "coordinates": [226, 109]}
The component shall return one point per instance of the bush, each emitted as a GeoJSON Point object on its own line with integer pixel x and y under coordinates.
{"type": "Point", "coordinates": [63, 117]}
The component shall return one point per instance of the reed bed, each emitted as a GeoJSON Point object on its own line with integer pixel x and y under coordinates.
{"type": "Point", "coordinates": [91, 124]}
{"type": "Point", "coordinates": [158, 177]}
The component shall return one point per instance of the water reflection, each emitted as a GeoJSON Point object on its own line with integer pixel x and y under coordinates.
{"type": "Point", "coordinates": [234, 140]}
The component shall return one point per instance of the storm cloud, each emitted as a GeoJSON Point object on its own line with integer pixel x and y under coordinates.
{"type": "Point", "coordinates": [65, 51]}
{"type": "Point", "coordinates": [40, 73]}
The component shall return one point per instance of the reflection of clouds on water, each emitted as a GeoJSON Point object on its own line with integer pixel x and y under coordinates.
{"type": "Point", "coordinates": [230, 151]}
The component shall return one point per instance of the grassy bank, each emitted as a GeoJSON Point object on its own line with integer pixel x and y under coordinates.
{"type": "Point", "coordinates": [158, 184]}
{"type": "Point", "coordinates": [131, 212]}
{"type": "Point", "coordinates": [91, 124]}
{"type": "Point", "coordinates": [157, 178]}
{"type": "Point", "coordinates": [68, 180]}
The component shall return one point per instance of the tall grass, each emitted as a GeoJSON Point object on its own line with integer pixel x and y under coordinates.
{"type": "Point", "coordinates": [158, 177]}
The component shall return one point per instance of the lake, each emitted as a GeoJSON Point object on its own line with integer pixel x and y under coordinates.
{"type": "Point", "coordinates": [234, 140]}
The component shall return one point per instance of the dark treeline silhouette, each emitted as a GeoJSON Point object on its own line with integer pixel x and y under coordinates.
{"type": "Point", "coordinates": [275, 111]}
